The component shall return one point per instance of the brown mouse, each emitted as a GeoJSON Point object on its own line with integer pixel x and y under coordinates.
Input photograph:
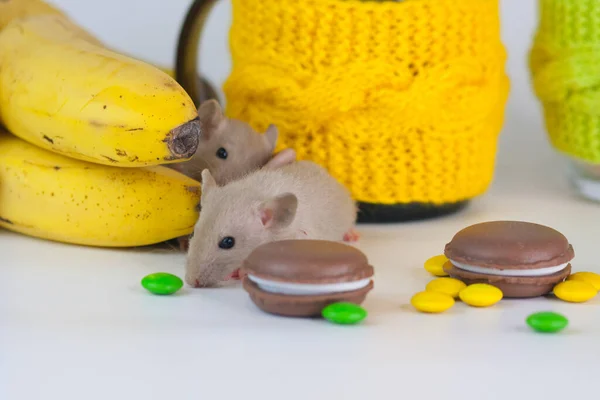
{"type": "Point", "coordinates": [230, 148]}
{"type": "Point", "coordinates": [300, 200]}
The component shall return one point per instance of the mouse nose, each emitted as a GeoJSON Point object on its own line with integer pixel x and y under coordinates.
{"type": "Point", "coordinates": [192, 279]}
{"type": "Point", "coordinates": [195, 282]}
{"type": "Point", "coordinates": [201, 279]}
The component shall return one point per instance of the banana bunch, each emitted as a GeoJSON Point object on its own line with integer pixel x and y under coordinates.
{"type": "Point", "coordinates": [87, 132]}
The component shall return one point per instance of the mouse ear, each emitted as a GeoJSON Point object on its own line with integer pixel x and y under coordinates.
{"type": "Point", "coordinates": [210, 115]}
{"type": "Point", "coordinates": [284, 157]}
{"type": "Point", "coordinates": [208, 182]}
{"type": "Point", "coordinates": [271, 135]}
{"type": "Point", "coordinates": [278, 212]}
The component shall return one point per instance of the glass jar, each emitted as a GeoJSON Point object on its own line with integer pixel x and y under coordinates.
{"type": "Point", "coordinates": [563, 61]}
{"type": "Point", "coordinates": [585, 178]}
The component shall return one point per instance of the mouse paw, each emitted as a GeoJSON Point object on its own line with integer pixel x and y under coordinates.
{"type": "Point", "coordinates": [351, 236]}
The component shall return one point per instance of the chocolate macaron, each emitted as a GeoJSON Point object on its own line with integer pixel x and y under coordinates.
{"type": "Point", "coordinates": [298, 278]}
{"type": "Point", "coordinates": [522, 259]}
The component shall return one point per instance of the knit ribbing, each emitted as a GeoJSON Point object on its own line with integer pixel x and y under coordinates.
{"type": "Point", "coordinates": [564, 62]}
{"type": "Point", "coordinates": [401, 101]}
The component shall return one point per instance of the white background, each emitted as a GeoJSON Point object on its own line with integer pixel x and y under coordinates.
{"type": "Point", "coordinates": [75, 324]}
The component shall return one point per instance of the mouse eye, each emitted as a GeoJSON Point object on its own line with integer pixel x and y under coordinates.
{"type": "Point", "coordinates": [222, 153]}
{"type": "Point", "coordinates": [227, 243]}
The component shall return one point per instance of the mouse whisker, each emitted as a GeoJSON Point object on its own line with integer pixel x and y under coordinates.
{"type": "Point", "coordinates": [205, 164]}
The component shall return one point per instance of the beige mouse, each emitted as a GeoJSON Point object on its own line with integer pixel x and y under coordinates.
{"type": "Point", "coordinates": [230, 148]}
{"type": "Point", "coordinates": [300, 200]}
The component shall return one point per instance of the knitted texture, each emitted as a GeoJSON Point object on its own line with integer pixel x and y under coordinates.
{"type": "Point", "coordinates": [564, 62]}
{"type": "Point", "coordinates": [401, 101]}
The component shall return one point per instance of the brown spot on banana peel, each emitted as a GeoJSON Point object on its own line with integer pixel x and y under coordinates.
{"type": "Point", "coordinates": [121, 153]}
{"type": "Point", "coordinates": [193, 189]}
{"type": "Point", "coordinates": [109, 159]}
{"type": "Point", "coordinates": [97, 124]}
{"type": "Point", "coordinates": [13, 223]}
{"type": "Point", "coordinates": [134, 129]}
{"type": "Point", "coordinates": [54, 167]}
{"type": "Point", "coordinates": [170, 83]}
{"type": "Point", "coordinates": [46, 138]}
{"type": "Point", "coordinates": [183, 140]}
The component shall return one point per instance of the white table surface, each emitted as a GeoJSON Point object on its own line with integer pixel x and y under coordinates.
{"type": "Point", "coordinates": [76, 324]}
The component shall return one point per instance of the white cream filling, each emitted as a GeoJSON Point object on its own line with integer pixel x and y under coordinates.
{"type": "Point", "coordinates": [510, 272]}
{"type": "Point", "coordinates": [307, 289]}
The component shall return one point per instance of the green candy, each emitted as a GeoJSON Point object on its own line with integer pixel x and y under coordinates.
{"type": "Point", "coordinates": [547, 321]}
{"type": "Point", "coordinates": [344, 313]}
{"type": "Point", "coordinates": [162, 283]}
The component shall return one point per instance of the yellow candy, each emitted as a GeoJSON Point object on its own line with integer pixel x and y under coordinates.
{"type": "Point", "coordinates": [434, 265]}
{"type": "Point", "coordinates": [449, 286]}
{"type": "Point", "coordinates": [480, 295]}
{"type": "Point", "coordinates": [432, 302]}
{"type": "Point", "coordinates": [575, 291]}
{"type": "Point", "coordinates": [589, 277]}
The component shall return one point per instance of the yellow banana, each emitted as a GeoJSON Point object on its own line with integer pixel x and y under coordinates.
{"type": "Point", "coordinates": [13, 9]}
{"type": "Point", "coordinates": [50, 196]}
{"type": "Point", "coordinates": [60, 89]}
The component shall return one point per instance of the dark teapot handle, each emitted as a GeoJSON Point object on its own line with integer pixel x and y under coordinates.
{"type": "Point", "coordinates": [188, 47]}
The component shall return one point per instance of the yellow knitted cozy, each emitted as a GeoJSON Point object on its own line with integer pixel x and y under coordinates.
{"type": "Point", "coordinates": [401, 101]}
{"type": "Point", "coordinates": [565, 67]}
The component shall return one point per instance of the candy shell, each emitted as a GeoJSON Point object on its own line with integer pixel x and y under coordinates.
{"type": "Point", "coordinates": [344, 313]}
{"type": "Point", "coordinates": [432, 302]}
{"type": "Point", "coordinates": [575, 291]}
{"type": "Point", "coordinates": [162, 283]}
{"type": "Point", "coordinates": [480, 295]}
{"type": "Point", "coordinates": [435, 265]}
{"type": "Point", "coordinates": [589, 277]}
{"type": "Point", "coordinates": [449, 286]}
{"type": "Point", "coordinates": [547, 321]}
